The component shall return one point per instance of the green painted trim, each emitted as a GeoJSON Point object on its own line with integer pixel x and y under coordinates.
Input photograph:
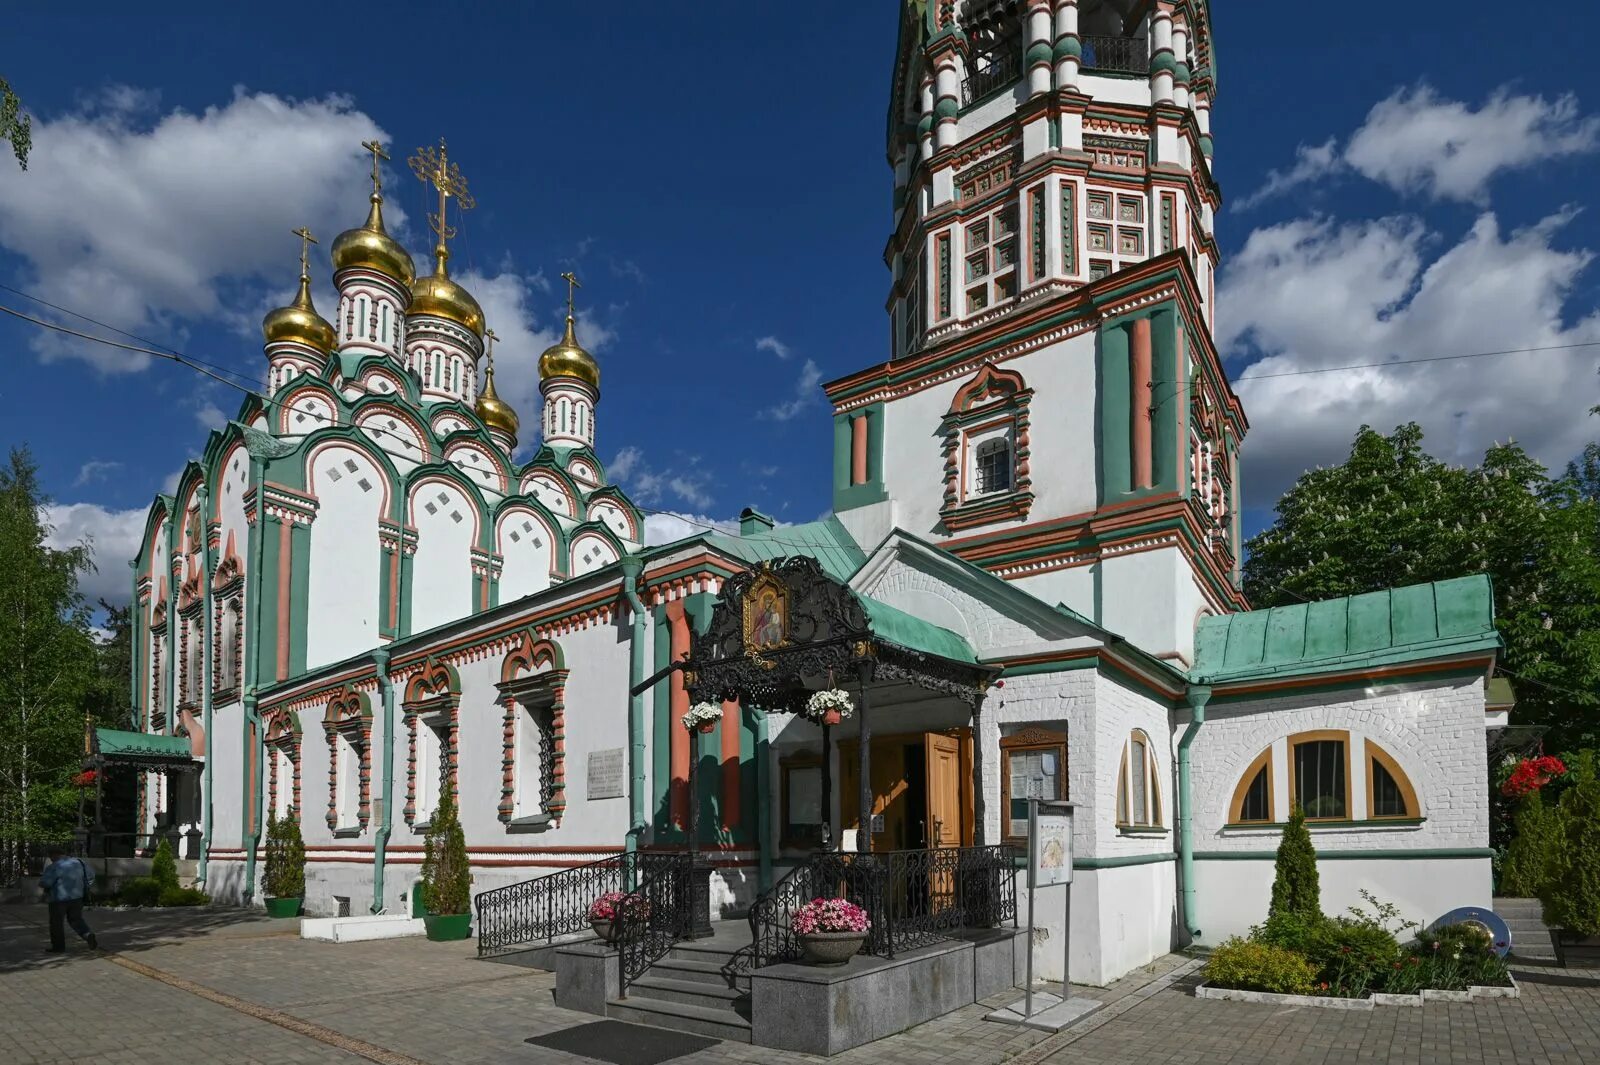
{"type": "Point", "coordinates": [1031, 669]}
{"type": "Point", "coordinates": [632, 568]}
{"type": "Point", "coordinates": [1164, 377]}
{"type": "Point", "coordinates": [299, 595]}
{"type": "Point", "coordinates": [407, 562]}
{"type": "Point", "coordinates": [1408, 854]}
{"type": "Point", "coordinates": [207, 653]}
{"type": "Point", "coordinates": [661, 730]}
{"type": "Point", "coordinates": [1123, 861]}
{"type": "Point", "coordinates": [1355, 683]}
{"type": "Point", "coordinates": [1197, 697]}
{"type": "Point", "coordinates": [1115, 443]}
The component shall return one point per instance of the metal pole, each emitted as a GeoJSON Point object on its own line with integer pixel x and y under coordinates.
{"type": "Point", "coordinates": [1033, 838]}
{"type": "Point", "coordinates": [694, 796]}
{"type": "Point", "coordinates": [979, 806]}
{"type": "Point", "coordinates": [827, 788]}
{"type": "Point", "coordinates": [864, 769]}
{"type": "Point", "coordinates": [1066, 944]}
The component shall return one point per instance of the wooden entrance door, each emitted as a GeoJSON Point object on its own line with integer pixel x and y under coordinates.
{"type": "Point", "coordinates": [943, 754]}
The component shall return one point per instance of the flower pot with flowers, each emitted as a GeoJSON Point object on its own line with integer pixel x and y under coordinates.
{"type": "Point", "coordinates": [702, 717]}
{"type": "Point", "coordinates": [609, 912]}
{"type": "Point", "coordinates": [829, 706]}
{"type": "Point", "coordinates": [831, 931]}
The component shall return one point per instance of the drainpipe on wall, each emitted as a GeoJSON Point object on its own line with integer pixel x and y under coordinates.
{"type": "Point", "coordinates": [207, 653]}
{"type": "Point", "coordinates": [252, 673]}
{"type": "Point", "coordinates": [380, 847]}
{"type": "Point", "coordinates": [1198, 696]}
{"type": "Point", "coordinates": [632, 568]}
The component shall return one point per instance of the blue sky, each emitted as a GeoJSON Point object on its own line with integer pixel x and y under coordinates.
{"type": "Point", "coordinates": [1397, 186]}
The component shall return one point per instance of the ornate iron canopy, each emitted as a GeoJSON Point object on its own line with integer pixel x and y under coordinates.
{"type": "Point", "coordinates": [787, 629]}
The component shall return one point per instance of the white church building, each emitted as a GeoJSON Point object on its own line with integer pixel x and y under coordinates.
{"type": "Point", "coordinates": [372, 585]}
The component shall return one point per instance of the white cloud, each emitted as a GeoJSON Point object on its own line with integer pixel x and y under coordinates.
{"type": "Point", "coordinates": [664, 528]}
{"type": "Point", "coordinates": [1313, 293]}
{"type": "Point", "coordinates": [1418, 142]}
{"type": "Point", "coordinates": [113, 536]}
{"type": "Point", "coordinates": [95, 470]}
{"type": "Point", "coordinates": [649, 486]}
{"type": "Point", "coordinates": [150, 222]}
{"type": "Point", "coordinates": [774, 345]}
{"type": "Point", "coordinates": [805, 394]}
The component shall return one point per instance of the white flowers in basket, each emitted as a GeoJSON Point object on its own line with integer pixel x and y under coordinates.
{"type": "Point", "coordinates": [700, 715]}
{"type": "Point", "coordinates": [836, 699]}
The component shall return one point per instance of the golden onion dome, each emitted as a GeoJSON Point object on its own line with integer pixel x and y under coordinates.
{"type": "Point", "coordinates": [568, 359]}
{"type": "Point", "coordinates": [299, 322]}
{"type": "Point", "coordinates": [443, 298]}
{"type": "Point", "coordinates": [372, 248]}
{"type": "Point", "coordinates": [494, 412]}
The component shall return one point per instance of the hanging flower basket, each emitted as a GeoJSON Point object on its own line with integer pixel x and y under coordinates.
{"type": "Point", "coordinates": [829, 706]}
{"type": "Point", "coordinates": [1532, 774]}
{"type": "Point", "coordinates": [702, 717]}
{"type": "Point", "coordinates": [84, 779]}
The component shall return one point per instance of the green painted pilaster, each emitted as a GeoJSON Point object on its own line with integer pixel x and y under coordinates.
{"type": "Point", "coordinates": [661, 729]}
{"type": "Point", "coordinates": [1115, 437]}
{"type": "Point", "coordinates": [1171, 407]}
{"type": "Point", "coordinates": [299, 595]}
{"type": "Point", "coordinates": [169, 697]}
{"type": "Point", "coordinates": [407, 561]}
{"type": "Point", "coordinates": [707, 748]}
{"type": "Point", "coordinates": [265, 579]}
{"type": "Point", "coordinates": [845, 494]}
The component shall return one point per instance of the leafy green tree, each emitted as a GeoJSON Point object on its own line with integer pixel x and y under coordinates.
{"type": "Point", "coordinates": [15, 126]}
{"type": "Point", "coordinates": [1391, 514]}
{"type": "Point", "coordinates": [1296, 887]}
{"type": "Point", "coordinates": [446, 875]}
{"type": "Point", "coordinates": [47, 662]}
{"type": "Point", "coordinates": [1571, 895]}
{"type": "Point", "coordinates": [1537, 834]}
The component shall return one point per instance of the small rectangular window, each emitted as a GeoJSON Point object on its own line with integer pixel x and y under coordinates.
{"type": "Point", "coordinates": [994, 467]}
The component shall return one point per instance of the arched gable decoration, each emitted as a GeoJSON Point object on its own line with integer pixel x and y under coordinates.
{"type": "Point", "coordinates": [612, 494]}
{"type": "Point", "coordinates": [433, 700]}
{"type": "Point", "coordinates": [349, 717]}
{"type": "Point", "coordinates": [533, 681]}
{"type": "Point", "coordinates": [989, 410]}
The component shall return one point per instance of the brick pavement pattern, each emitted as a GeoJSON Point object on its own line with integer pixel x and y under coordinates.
{"type": "Point", "coordinates": [436, 1002]}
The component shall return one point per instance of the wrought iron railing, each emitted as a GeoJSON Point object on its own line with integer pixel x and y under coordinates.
{"type": "Point", "coordinates": [912, 897]}
{"type": "Point", "coordinates": [654, 917]}
{"type": "Point", "coordinates": [991, 71]}
{"type": "Point", "coordinates": [557, 904]}
{"type": "Point", "coordinates": [1126, 55]}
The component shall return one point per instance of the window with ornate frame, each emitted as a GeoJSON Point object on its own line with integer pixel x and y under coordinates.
{"type": "Point", "coordinates": [991, 258]}
{"type": "Point", "coordinates": [1033, 764]}
{"type": "Point", "coordinates": [1319, 765]}
{"type": "Point", "coordinates": [283, 763]}
{"type": "Point", "coordinates": [347, 725]}
{"type": "Point", "coordinates": [227, 634]}
{"type": "Point", "coordinates": [433, 698]}
{"type": "Point", "coordinates": [1138, 784]}
{"type": "Point", "coordinates": [985, 434]}
{"type": "Point", "coordinates": [532, 691]}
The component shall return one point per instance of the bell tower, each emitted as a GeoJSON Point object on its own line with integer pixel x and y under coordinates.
{"type": "Point", "coordinates": [1052, 297]}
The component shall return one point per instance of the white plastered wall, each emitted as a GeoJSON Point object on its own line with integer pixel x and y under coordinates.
{"type": "Point", "coordinates": [441, 571]}
{"type": "Point", "coordinates": [346, 563]}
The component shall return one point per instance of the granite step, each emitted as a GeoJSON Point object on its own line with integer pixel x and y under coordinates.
{"type": "Point", "coordinates": [1509, 908]}
{"type": "Point", "coordinates": [709, 973]}
{"type": "Point", "coordinates": [692, 992]}
{"type": "Point", "coordinates": [718, 1023]}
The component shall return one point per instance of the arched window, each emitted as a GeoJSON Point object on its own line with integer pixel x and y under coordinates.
{"type": "Point", "coordinates": [1389, 792]}
{"type": "Point", "coordinates": [994, 466]}
{"type": "Point", "coordinates": [1252, 799]}
{"type": "Point", "coordinates": [1138, 784]}
{"type": "Point", "coordinates": [383, 327]}
{"type": "Point", "coordinates": [361, 321]}
{"type": "Point", "coordinates": [1326, 771]}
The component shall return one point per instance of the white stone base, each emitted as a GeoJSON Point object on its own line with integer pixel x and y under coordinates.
{"type": "Point", "coordinates": [1050, 1013]}
{"type": "Point", "coordinates": [1379, 998]}
{"type": "Point", "coordinates": [355, 929]}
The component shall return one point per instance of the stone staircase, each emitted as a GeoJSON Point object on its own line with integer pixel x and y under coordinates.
{"type": "Point", "coordinates": [1530, 938]}
{"type": "Point", "coordinates": [694, 988]}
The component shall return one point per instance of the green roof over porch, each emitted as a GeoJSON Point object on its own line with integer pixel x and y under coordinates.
{"type": "Point", "coordinates": [896, 626]}
{"type": "Point", "coordinates": [827, 541]}
{"type": "Point", "coordinates": [1396, 625]}
{"type": "Point", "coordinates": [115, 743]}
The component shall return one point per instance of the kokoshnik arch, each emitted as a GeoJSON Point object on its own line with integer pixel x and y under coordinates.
{"type": "Point", "coordinates": [357, 597]}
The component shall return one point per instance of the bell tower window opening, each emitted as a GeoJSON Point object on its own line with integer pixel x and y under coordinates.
{"type": "Point", "coordinates": [994, 31]}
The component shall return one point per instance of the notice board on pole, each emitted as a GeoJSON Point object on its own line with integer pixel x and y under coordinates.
{"type": "Point", "coordinates": [1050, 844]}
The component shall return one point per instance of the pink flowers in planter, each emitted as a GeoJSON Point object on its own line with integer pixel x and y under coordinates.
{"type": "Point", "coordinates": [829, 915]}
{"type": "Point", "coordinates": [614, 905]}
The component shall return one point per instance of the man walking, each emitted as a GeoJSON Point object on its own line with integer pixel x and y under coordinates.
{"type": "Point", "coordinates": [66, 882]}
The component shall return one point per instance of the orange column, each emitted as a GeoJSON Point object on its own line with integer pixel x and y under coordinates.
{"type": "Point", "coordinates": [678, 644]}
{"type": "Point", "coordinates": [730, 729]}
{"type": "Point", "coordinates": [858, 449]}
{"type": "Point", "coordinates": [1139, 416]}
{"type": "Point", "coordinates": [285, 564]}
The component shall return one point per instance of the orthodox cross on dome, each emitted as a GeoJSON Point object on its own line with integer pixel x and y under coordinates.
{"type": "Point", "coordinates": [306, 240]}
{"type": "Point", "coordinates": [572, 286]}
{"type": "Point", "coordinates": [378, 156]}
{"type": "Point", "coordinates": [489, 339]}
{"type": "Point", "coordinates": [433, 167]}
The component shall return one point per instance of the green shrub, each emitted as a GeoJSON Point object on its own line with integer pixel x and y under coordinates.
{"type": "Point", "coordinates": [285, 873]}
{"type": "Point", "coordinates": [1295, 885]}
{"type": "Point", "coordinates": [1571, 895]}
{"type": "Point", "coordinates": [446, 875]}
{"type": "Point", "coordinates": [163, 867]}
{"type": "Point", "coordinates": [183, 896]}
{"type": "Point", "coordinates": [140, 891]}
{"type": "Point", "coordinates": [1239, 963]}
{"type": "Point", "coordinates": [1537, 832]}
{"type": "Point", "coordinates": [1352, 955]}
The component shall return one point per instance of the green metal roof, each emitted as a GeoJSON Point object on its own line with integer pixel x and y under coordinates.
{"type": "Point", "coordinates": [827, 541]}
{"type": "Point", "coordinates": [115, 743]}
{"type": "Point", "coordinates": [1411, 623]}
{"type": "Point", "coordinates": [896, 626]}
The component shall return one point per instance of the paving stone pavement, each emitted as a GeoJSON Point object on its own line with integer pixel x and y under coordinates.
{"type": "Point", "coordinates": [436, 1002]}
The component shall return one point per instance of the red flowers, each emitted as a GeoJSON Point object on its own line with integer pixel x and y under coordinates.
{"type": "Point", "coordinates": [84, 779]}
{"type": "Point", "coordinates": [1532, 774]}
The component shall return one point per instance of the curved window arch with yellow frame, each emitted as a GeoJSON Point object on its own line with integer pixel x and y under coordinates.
{"type": "Point", "coordinates": [1320, 773]}
{"type": "Point", "coordinates": [1138, 784]}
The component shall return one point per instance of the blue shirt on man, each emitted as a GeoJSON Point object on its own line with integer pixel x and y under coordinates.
{"type": "Point", "coordinates": [67, 879]}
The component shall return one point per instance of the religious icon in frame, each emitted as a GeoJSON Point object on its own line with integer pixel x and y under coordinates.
{"type": "Point", "coordinates": [766, 614]}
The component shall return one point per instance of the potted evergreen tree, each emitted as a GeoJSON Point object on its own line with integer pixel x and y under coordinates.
{"type": "Point", "coordinates": [284, 879]}
{"type": "Point", "coordinates": [1571, 894]}
{"type": "Point", "coordinates": [446, 876]}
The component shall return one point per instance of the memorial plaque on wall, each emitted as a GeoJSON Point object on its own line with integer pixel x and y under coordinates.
{"type": "Point", "coordinates": [607, 779]}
